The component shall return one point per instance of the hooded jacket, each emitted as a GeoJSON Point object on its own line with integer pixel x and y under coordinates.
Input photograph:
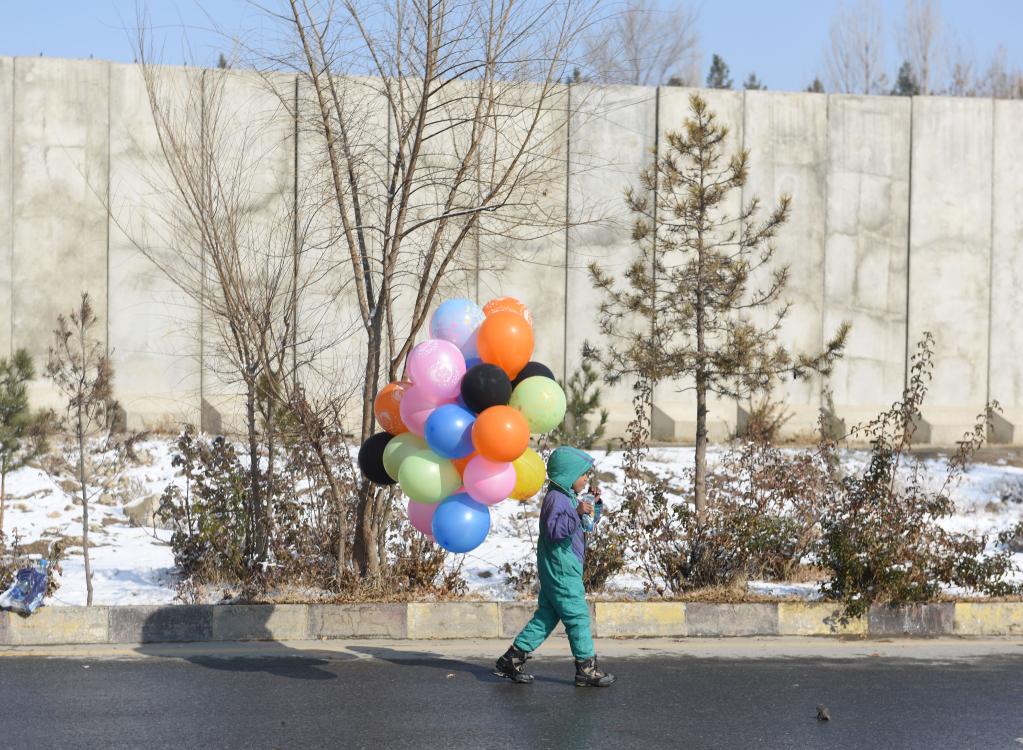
{"type": "Point", "coordinates": [561, 529]}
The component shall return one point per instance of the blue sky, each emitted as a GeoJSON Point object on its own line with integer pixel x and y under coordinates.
{"type": "Point", "coordinates": [782, 40]}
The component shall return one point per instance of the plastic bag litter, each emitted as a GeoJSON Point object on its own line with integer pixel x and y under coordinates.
{"type": "Point", "coordinates": [26, 595]}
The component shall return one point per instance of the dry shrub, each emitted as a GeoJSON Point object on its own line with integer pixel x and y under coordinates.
{"type": "Point", "coordinates": [882, 539]}
{"type": "Point", "coordinates": [212, 515]}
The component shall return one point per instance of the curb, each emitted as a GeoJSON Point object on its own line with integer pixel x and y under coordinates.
{"type": "Point", "coordinates": [441, 620]}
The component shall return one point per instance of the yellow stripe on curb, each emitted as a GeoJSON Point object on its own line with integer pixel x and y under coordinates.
{"type": "Point", "coordinates": [995, 618]}
{"type": "Point", "coordinates": [641, 619]}
{"type": "Point", "coordinates": [816, 618]}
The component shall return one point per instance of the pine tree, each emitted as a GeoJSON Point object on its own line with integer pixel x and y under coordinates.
{"type": "Point", "coordinates": [693, 286]}
{"type": "Point", "coordinates": [816, 87]}
{"type": "Point", "coordinates": [905, 82]}
{"type": "Point", "coordinates": [718, 76]}
{"type": "Point", "coordinates": [22, 433]}
{"type": "Point", "coordinates": [584, 401]}
{"type": "Point", "coordinates": [752, 83]}
{"type": "Point", "coordinates": [80, 369]}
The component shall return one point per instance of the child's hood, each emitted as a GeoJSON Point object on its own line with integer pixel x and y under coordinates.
{"type": "Point", "coordinates": [565, 466]}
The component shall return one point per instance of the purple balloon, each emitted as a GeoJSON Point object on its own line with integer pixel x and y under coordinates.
{"type": "Point", "coordinates": [456, 320]}
{"type": "Point", "coordinates": [436, 367]}
{"type": "Point", "coordinates": [489, 482]}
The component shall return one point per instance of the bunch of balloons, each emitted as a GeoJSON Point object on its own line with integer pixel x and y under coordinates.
{"type": "Point", "coordinates": [456, 432]}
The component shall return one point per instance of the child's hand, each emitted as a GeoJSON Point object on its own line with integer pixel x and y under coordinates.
{"type": "Point", "coordinates": [584, 508]}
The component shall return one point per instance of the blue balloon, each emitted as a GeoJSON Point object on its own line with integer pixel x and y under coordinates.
{"type": "Point", "coordinates": [471, 362]}
{"type": "Point", "coordinates": [456, 320]}
{"type": "Point", "coordinates": [448, 431]}
{"type": "Point", "coordinates": [460, 524]}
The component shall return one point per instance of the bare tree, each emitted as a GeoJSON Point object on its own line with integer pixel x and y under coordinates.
{"type": "Point", "coordinates": [440, 151]}
{"type": "Point", "coordinates": [999, 80]}
{"type": "Point", "coordinates": [962, 71]}
{"type": "Point", "coordinates": [855, 53]}
{"type": "Point", "coordinates": [229, 238]}
{"type": "Point", "coordinates": [921, 41]}
{"type": "Point", "coordinates": [80, 369]}
{"type": "Point", "coordinates": [427, 133]}
{"type": "Point", "coordinates": [643, 44]}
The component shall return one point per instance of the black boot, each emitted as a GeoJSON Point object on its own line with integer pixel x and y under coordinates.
{"type": "Point", "coordinates": [587, 674]}
{"type": "Point", "coordinates": [510, 666]}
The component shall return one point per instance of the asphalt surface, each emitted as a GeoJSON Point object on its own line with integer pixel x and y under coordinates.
{"type": "Point", "coordinates": [398, 696]}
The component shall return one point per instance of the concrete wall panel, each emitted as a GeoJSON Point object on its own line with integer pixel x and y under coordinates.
{"type": "Point", "coordinates": [1006, 375]}
{"type": "Point", "coordinates": [60, 163]}
{"type": "Point", "coordinates": [866, 250]}
{"type": "Point", "coordinates": [6, 200]}
{"type": "Point", "coordinates": [154, 323]}
{"type": "Point", "coordinates": [530, 264]}
{"type": "Point", "coordinates": [612, 136]}
{"type": "Point", "coordinates": [787, 136]}
{"type": "Point", "coordinates": [330, 322]}
{"type": "Point", "coordinates": [950, 245]}
{"type": "Point", "coordinates": [252, 134]}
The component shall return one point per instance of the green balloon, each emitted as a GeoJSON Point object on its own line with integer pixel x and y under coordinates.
{"type": "Point", "coordinates": [401, 447]}
{"type": "Point", "coordinates": [427, 478]}
{"type": "Point", "coordinates": [541, 401]}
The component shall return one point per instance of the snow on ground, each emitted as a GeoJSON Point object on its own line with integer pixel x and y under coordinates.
{"type": "Point", "coordinates": [133, 565]}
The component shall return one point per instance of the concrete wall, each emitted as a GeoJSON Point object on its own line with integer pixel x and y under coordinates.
{"type": "Point", "coordinates": [865, 250]}
{"type": "Point", "coordinates": [907, 217]}
{"type": "Point", "coordinates": [60, 162]}
{"type": "Point", "coordinates": [1005, 373]}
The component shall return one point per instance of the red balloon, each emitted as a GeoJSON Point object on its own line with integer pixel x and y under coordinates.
{"type": "Point", "coordinates": [506, 340]}
{"type": "Point", "coordinates": [500, 433]}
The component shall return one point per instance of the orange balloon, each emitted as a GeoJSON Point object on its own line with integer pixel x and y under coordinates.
{"type": "Point", "coordinates": [386, 407]}
{"type": "Point", "coordinates": [461, 463]}
{"type": "Point", "coordinates": [505, 339]}
{"type": "Point", "coordinates": [508, 304]}
{"type": "Point", "coordinates": [500, 433]}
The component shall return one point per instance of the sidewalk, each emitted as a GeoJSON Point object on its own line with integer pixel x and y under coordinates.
{"type": "Point", "coordinates": [931, 649]}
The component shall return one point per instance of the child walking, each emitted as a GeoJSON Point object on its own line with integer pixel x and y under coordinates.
{"type": "Point", "coordinates": [559, 562]}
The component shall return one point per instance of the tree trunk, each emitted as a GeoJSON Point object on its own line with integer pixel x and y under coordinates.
{"type": "Point", "coordinates": [85, 511]}
{"type": "Point", "coordinates": [267, 509]}
{"type": "Point", "coordinates": [365, 549]}
{"type": "Point", "coordinates": [700, 480]}
{"type": "Point", "coordinates": [255, 545]}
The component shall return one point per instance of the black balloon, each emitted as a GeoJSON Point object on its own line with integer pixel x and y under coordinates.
{"type": "Point", "coordinates": [485, 385]}
{"type": "Point", "coordinates": [532, 370]}
{"type": "Point", "coordinates": [371, 458]}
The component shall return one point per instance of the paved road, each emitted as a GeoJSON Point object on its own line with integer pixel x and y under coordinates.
{"type": "Point", "coordinates": [378, 695]}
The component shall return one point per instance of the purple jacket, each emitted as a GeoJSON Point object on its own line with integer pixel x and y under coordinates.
{"type": "Point", "coordinates": [558, 521]}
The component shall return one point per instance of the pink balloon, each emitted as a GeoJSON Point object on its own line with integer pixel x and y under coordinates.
{"type": "Point", "coordinates": [436, 366]}
{"type": "Point", "coordinates": [416, 407]}
{"type": "Point", "coordinates": [420, 515]}
{"type": "Point", "coordinates": [489, 482]}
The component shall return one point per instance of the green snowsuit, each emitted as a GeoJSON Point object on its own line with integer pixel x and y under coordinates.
{"type": "Point", "coordinates": [559, 560]}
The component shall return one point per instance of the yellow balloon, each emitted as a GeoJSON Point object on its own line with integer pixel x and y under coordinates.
{"type": "Point", "coordinates": [530, 473]}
